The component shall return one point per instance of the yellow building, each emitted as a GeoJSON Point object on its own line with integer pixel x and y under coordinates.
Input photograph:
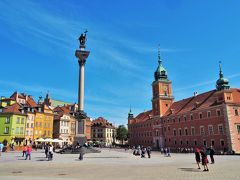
{"type": "Point", "coordinates": [43, 122]}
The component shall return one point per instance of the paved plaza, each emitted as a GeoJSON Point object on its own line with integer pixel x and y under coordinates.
{"type": "Point", "coordinates": [115, 164]}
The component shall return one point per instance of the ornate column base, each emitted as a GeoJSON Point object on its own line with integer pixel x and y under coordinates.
{"type": "Point", "coordinates": [80, 137]}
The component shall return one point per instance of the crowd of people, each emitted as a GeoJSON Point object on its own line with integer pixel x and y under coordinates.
{"type": "Point", "coordinates": [142, 151]}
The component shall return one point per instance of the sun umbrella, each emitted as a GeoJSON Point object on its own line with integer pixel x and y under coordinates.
{"type": "Point", "coordinates": [40, 140]}
{"type": "Point", "coordinates": [57, 140]}
{"type": "Point", "coordinates": [47, 140]}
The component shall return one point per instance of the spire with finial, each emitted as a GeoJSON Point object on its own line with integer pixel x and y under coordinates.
{"type": "Point", "coordinates": [160, 73]}
{"type": "Point", "coordinates": [130, 114]}
{"type": "Point", "coordinates": [159, 57]}
{"type": "Point", "coordinates": [222, 83]}
{"type": "Point", "coordinates": [220, 70]}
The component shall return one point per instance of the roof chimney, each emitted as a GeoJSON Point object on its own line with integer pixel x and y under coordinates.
{"type": "Point", "coordinates": [17, 96]}
{"type": "Point", "coordinates": [195, 94]}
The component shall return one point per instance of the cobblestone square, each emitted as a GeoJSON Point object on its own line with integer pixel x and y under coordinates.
{"type": "Point", "coordinates": [115, 164]}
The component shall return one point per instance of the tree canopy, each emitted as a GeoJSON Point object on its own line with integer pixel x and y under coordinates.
{"type": "Point", "coordinates": [122, 133]}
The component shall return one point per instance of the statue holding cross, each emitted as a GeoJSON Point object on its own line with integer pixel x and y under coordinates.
{"type": "Point", "coordinates": [82, 39]}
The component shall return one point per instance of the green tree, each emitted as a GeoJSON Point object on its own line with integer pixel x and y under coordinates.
{"type": "Point", "coordinates": [122, 133]}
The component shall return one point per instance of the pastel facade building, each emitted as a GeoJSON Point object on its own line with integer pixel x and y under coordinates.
{"type": "Point", "coordinates": [207, 119]}
{"type": "Point", "coordinates": [43, 122]}
{"type": "Point", "coordinates": [64, 125]}
{"type": "Point", "coordinates": [12, 124]}
{"type": "Point", "coordinates": [103, 131]}
{"type": "Point", "coordinates": [28, 104]}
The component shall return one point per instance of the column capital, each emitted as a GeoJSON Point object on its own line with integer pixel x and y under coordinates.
{"type": "Point", "coordinates": [81, 62]}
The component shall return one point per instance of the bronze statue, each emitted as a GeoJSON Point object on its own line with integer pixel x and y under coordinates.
{"type": "Point", "coordinates": [82, 39]}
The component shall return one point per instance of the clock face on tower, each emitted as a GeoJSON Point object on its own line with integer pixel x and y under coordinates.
{"type": "Point", "coordinates": [164, 88]}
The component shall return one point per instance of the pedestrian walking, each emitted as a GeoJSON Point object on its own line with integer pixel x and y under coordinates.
{"type": "Point", "coordinates": [34, 146]}
{"type": "Point", "coordinates": [12, 146]}
{"type": "Point", "coordinates": [211, 153]}
{"type": "Point", "coordinates": [149, 151]}
{"type": "Point", "coordinates": [168, 152]}
{"type": "Point", "coordinates": [204, 160]}
{"type": "Point", "coordinates": [81, 153]}
{"type": "Point", "coordinates": [24, 150]}
{"type": "Point", "coordinates": [50, 152]}
{"type": "Point", "coordinates": [46, 150]}
{"type": "Point", "coordinates": [1, 148]}
{"type": "Point", "coordinates": [197, 157]}
{"type": "Point", "coordinates": [28, 153]}
{"type": "Point", "coordinates": [165, 151]}
{"type": "Point", "coordinates": [143, 152]}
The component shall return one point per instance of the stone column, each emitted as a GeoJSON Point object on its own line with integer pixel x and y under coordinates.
{"type": "Point", "coordinates": [81, 116]}
{"type": "Point", "coordinates": [81, 87]}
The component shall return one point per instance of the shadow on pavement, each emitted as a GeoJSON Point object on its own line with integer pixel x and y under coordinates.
{"type": "Point", "coordinates": [190, 169]}
{"type": "Point", "coordinates": [42, 160]}
{"type": "Point", "coordinates": [102, 157]}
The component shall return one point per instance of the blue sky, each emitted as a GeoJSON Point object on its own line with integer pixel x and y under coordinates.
{"type": "Point", "coordinates": [39, 39]}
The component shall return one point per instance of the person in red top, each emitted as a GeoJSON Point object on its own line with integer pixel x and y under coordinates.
{"type": "Point", "coordinates": [29, 151]}
{"type": "Point", "coordinates": [204, 159]}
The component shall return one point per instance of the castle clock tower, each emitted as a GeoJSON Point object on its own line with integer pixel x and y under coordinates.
{"type": "Point", "coordinates": [162, 90]}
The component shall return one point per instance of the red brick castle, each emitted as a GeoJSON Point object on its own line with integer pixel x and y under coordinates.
{"type": "Point", "coordinates": [207, 119]}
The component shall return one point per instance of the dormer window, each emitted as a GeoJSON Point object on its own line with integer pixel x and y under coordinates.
{"type": "Point", "coordinates": [196, 105]}
{"type": "Point", "coordinates": [171, 111]}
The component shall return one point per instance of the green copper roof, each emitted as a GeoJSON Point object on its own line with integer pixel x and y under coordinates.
{"type": "Point", "coordinates": [130, 114]}
{"type": "Point", "coordinates": [160, 73]}
{"type": "Point", "coordinates": [56, 103]}
{"type": "Point", "coordinates": [222, 83]}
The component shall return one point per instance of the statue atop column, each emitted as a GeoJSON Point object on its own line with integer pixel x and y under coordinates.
{"type": "Point", "coordinates": [82, 39]}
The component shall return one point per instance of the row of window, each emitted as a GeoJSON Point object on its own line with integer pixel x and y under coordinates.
{"type": "Point", "coordinates": [39, 124]}
{"type": "Point", "coordinates": [28, 125]}
{"type": "Point", "coordinates": [29, 133]}
{"type": "Point", "coordinates": [97, 130]}
{"type": "Point", "coordinates": [20, 120]}
{"type": "Point", "coordinates": [64, 123]}
{"type": "Point", "coordinates": [192, 116]}
{"type": "Point", "coordinates": [182, 132]}
{"type": "Point", "coordinates": [19, 130]}
{"type": "Point", "coordinates": [196, 143]}
{"type": "Point", "coordinates": [140, 125]}
{"type": "Point", "coordinates": [64, 131]}
{"type": "Point", "coordinates": [45, 132]}
{"type": "Point", "coordinates": [202, 131]}
{"type": "Point", "coordinates": [31, 118]}
{"type": "Point", "coordinates": [143, 134]}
